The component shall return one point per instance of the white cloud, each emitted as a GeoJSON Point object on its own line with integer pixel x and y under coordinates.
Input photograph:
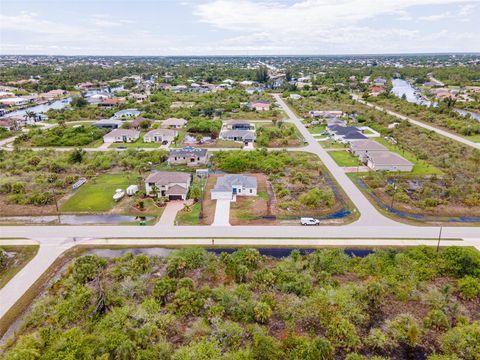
{"type": "Point", "coordinates": [312, 26]}
{"type": "Point", "coordinates": [435, 17]}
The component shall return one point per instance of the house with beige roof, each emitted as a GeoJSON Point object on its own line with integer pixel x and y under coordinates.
{"type": "Point", "coordinates": [173, 123]}
{"type": "Point", "coordinates": [160, 135]}
{"type": "Point", "coordinates": [387, 161]}
{"type": "Point", "coordinates": [361, 148]}
{"type": "Point", "coordinates": [169, 184]}
{"type": "Point", "coordinates": [121, 136]}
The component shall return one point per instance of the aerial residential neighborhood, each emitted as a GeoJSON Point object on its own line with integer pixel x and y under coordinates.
{"type": "Point", "coordinates": [240, 180]}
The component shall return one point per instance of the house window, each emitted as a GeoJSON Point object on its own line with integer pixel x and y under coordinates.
{"type": "Point", "coordinates": [251, 191]}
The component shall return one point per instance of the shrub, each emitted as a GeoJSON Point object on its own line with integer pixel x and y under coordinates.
{"type": "Point", "coordinates": [469, 287]}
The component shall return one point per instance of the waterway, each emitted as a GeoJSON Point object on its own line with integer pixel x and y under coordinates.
{"type": "Point", "coordinates": [402, 87]}
{"type": "Point", "coordinates": [42, 108]}
{"type": "Point", "coordinates": [73, 219]}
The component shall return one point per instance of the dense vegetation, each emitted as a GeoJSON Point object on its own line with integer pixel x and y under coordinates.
{"type": "Point", "coordinates": [62, 136]}
{"type": "Point", "coordinates": [442, 116]}
{"type": "Point", "coordinates": [280, 135]}
{"type": "Point", "coordinates": [196, 305]}
{"type": "Point", "coordinates": [298, 179]}
{"type": "Point", "coordinates": [36, 177]}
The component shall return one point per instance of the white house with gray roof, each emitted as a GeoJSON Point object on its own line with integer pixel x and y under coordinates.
{"type": "Point", "coordinates": [229, 186]}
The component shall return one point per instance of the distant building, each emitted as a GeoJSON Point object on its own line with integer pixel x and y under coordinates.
{"type": "Point", "coordinates": [108, 124]}
{"type": "Point", "coordinates": [174, 123]}
{"type": "Point", "coordinates": [188, 156]}
{"type": "Point", "coordinates": [127, 113]}
{"type": "Point", "coordinates": [260, 105]}
{"type": "Point", "coordinates": [121, 136]}
{"type": "Point", "coordinates": [160, 136]}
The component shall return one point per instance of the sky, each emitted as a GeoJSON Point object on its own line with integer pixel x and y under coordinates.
{"type": "Point", "coordinates": [238, 27]}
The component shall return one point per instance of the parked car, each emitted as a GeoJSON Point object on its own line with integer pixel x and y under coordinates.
{"type": "Point", "coordinates": [309, 221]}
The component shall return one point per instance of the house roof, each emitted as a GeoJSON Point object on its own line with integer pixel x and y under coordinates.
{"type": "Point", "coordinates": [387, 158]}
{"type": "Point", "coordinates": [353, 135]}
{"type": "Point", "coordinates": [238, 133]}
{"type": "Point", "coordinates": [123, 132]}
{"type": "Point", "coordinates": [377, 89]}
{"type": "Point", "coordinates": [161, 132]}
{"type": "Point", "coordinates": [167, 177]}
{"type": "Point", "coordinates": [176, 190]}
{"type": "Point", "coordinates": [108, 121]}
{"type": "Point", "coordinates": [234, 122]}
{"type": "Point", "coordinates": [174, 122]}
{"type": "Point", "coordinates": [342, 130]}
{"type": "Point", "coordinates": [226, 182]}
{"type": "Point", "coordinates": [188, 151]}
{"type": "Point", "coordinates": [138, 120]}
{"type": "Point", "coordinates": [366, 145]}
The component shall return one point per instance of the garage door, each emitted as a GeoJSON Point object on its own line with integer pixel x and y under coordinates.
{"type": "Point", "coordinates": [175, 197]}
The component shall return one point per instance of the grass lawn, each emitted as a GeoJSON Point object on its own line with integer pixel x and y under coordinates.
{"type": "Point", "coordinates": [137, 144]}
{"type": "Point", "coordinates": [344, 158]}
{"type": "Point", "coordinates": [219, 143]}
{"type": "Point", "coordinates": [189, 218]}
{"type": "Point", "coordinates": [317, 129]}
{"type": "Point", "coordinates": [420, 167]}
{"type": "Point", "coordinates": [23, 255]}
{"type": "Point", "coordinates": [474, 138]}
{"type": "Point", "coordinates": [96, 194]}
{"type": "Point", "coordinates": [331, 144]}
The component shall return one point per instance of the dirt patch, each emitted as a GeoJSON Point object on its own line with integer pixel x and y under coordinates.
{"type": "Point", "coordinates": [7, 209]}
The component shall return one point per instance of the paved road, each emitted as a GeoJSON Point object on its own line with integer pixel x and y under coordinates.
{"type": "Point", "coordinates": [369, 215]}
{"type": "Point", "coordinates": [51, 248]}
{"type": "Point", "coordinates": [419, 123]}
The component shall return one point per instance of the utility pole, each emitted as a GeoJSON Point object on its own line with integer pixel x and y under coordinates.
{"type": "Point", "coordinates": [394, 192]}
{"type": "Point", "coordinates": [56, 205]}
{"type": "Point", "coordinates": [439, 238]}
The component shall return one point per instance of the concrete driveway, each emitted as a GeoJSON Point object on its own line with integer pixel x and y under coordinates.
{"type": "Point", "coordinates": [222, 213]}
{"type": "Point", "coordinates": [170, 212]}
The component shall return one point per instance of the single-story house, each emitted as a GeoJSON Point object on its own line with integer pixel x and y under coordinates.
{"type": "Point", "coordinates": [260, 105]}
{"type": "Point", "coordinates": [121, 136]}
{"type": "Point", "coordinates": [361, 148]}
{"type": "Point", "coordinates": [376, 90]}
{"type": "Point", "coordinates": [136, 123]}
{"type": "Point", "coordinates": [109, 103]}
{"type": "Point", "coordinates": [127, 113]}
{"type": "Point", "coordinates": [345, 134]}
{"type": "Point", "coordinates": [173, 185]}
{"type": "Point", "coordinates": [174, 123]}
{"type": "Point", "coordinates": [380, 81]}
{"type": "Point", "coordinates": [188, 156]}
{"type": "Point", "coordinates": [160, 135]}
{"type": "Point", "coordinates": [108, 124]}
{"type": "Point", "coordinates": [14, 101]}
{"type": "Point", "coordinates": [239, 125]}
{"type": "Point", "coordinates": [387, 161]}
{"type": "Point", "coordinates": [229, 186]}
{"type": "Point", "coordinates": [245, 136]}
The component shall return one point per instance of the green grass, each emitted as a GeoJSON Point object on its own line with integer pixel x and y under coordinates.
{"type": "Point", "coordinates": [23, 256]}
{"type": "Point", "coordinates": [137, 144]}
{"type": "Point", "coordinates": [189, 218]}
{"type": "Point", "coordinates": [344, 158]}
{"type": "Point", "coordinates": [263, 195]}
{"type": "Point", "coordinates": [331, 144]}
{"type": "Point", "coordinates": [317, 129]}
{"type": "Point", "coordinates": [474, 138]}
{"type": "Point", "coordinates": [96, 194]}
{"type": "Point", "coordinates": [420, 167]}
